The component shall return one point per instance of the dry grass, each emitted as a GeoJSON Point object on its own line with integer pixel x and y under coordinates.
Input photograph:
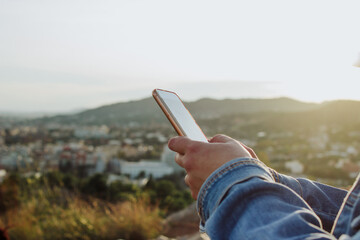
{"type": "Point", "coordinates": [53, 214]}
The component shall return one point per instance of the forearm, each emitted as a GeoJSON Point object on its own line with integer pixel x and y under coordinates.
{"type": "Point", "coordinates": [323, 199]}
{"type": "Point", "coordinates": [241, 200]}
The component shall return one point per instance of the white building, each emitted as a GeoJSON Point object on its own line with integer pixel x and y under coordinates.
{"type": "Point", "coordinates": [92, 132]}
{"type": "Point", "coordinates": [352, 151]}
{"type": "Point", "coordinates": [295, 167]}
{"type": "Point", "coordinates": [155, 168]}
{"type": "Point", "coordinates": [168, 157]}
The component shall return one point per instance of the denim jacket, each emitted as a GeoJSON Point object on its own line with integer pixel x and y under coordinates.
{"type": "Point", "coordinates": [244, 199]}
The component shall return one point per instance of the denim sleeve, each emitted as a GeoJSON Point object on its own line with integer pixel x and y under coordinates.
{"type": "Point", "coordinates": [242, 200]}
{"type": "Point", "coordinates": [324, 200]}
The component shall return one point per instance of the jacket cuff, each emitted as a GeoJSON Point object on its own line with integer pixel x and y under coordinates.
{"type": "Point", "coordinates": [221, 180]}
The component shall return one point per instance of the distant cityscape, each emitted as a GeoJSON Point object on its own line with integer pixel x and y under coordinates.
{"type": "Point", "coordinates": [320, 142]}
{"type": "Point", "coordinates": [86, 151]}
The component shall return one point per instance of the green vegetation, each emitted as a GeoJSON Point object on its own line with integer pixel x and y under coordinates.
{"type": "Point", "coordinates": [59, 206]}
{"type": "Point", "coordinates": [316, 141]}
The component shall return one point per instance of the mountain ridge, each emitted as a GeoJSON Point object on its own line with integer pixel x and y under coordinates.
{"type": "Point", "coordinates": [146, 111]}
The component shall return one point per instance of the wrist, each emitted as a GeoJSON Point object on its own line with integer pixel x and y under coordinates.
{"type": "Point", "coordinates": [221, 180]}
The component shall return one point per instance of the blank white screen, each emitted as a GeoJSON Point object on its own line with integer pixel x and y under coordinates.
{"type": "Point", "coordinates": [182, 116]}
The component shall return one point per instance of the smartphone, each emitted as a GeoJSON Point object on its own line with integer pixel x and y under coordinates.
{"type": "Point", "coordinates": [178, 115]}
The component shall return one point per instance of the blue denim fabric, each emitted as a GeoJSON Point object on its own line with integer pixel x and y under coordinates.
{"type": "Point", "coordinates": [244, 199]}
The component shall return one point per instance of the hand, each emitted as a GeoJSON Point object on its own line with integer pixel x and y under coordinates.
{"type": "Point", "coordinates": [201, 159]}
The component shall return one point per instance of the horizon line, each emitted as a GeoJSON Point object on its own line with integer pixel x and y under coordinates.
{"type": "Point", "coordinates": [25, 112]}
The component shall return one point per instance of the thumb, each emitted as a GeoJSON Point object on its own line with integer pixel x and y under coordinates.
{"type": "Point", "coordinates": [220, 138]}
{"type": "Point", "coordinates": [252, 153]}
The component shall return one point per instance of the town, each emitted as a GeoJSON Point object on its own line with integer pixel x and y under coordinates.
{"type": "Point", "coordinates": [321, 152]}
{"type": "Point", "coordinates": [85, 151]}
{"type": "Point", "coordinates": [100, 175]}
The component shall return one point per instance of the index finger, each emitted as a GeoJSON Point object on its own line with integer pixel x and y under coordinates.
{"type": "Point", "coordinates": [179, 144]}
{"type": "Point", "coordinates": [252, 152]}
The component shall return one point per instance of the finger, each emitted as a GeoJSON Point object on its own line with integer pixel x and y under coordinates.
{"type": "Point", "coordinates": [194, 194]}
{"type": "Point", "coordinates": [252, 153]}
{"type": "Point", "coordinates": [193, 183]}
{"type": "Point", "coordinates": [186, 180]}
{"type": "Point", "coordinates": [179, 160]}
{"type": "Point", "coordinates": [220, 138]}
{"type": "Point", "coordinates": [179, 144]}
{"type": "Point", "coordinates": [194, 190]}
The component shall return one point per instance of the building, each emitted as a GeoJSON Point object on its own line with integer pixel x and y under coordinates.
{"type": "Point", "coordinates": [15, 158]}
{"type": "Point", "coordinates": [154, 168]}
{"type": "Point", "coordinates": [168, 157]}
{"type": "Point", "coordinates": [82, 160]}
{"type": "Point", "coordinates": [295, 167]}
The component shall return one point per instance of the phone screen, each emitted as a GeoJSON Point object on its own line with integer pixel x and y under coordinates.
{"type": "Point", "coordinates": [179, 113]}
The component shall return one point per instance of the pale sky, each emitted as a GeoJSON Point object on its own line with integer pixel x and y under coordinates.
{"type": "Point", "coordinates": [62, 55]}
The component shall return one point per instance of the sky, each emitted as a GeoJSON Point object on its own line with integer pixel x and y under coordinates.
{"type": "Point", "coordinates": [63, 55]}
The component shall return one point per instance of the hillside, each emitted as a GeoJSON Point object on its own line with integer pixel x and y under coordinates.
{"type": "Point", "coordinates": [209, 108]}
{"type": "Point", "coordinates": [146, 111]}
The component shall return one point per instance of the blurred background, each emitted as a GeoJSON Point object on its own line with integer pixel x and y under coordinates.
{"type": "Point", "coordinates": [83, 145]}
{"type": "Point", "coordinates": [63, 56]}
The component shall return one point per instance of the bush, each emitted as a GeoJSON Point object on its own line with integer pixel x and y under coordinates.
{"type": "Point", "coordinates": [43, 218]}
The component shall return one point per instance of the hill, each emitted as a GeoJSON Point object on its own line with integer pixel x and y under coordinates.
{"type": "Point", "coordinates": [209, 108]}
{"type": "Point", "coordinates": [146, 111]}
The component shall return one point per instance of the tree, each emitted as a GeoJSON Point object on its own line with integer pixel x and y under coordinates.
{"type": "Point", "coordinates": [96, 186]}
{"type": "Point", "coordinates": [164, 188]}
